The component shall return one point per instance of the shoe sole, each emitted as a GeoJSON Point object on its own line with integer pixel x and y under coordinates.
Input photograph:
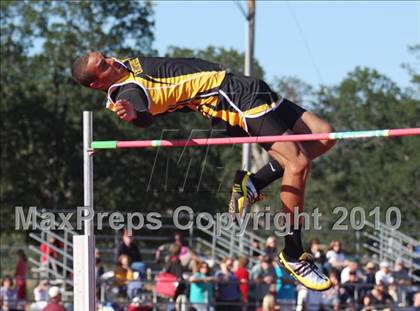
{"type": "Point", "coordinates": [320, 288]}
{"type": "Point", "coordinates": [241, 207]}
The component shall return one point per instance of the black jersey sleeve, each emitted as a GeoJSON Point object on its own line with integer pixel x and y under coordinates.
{"type": "Point", "coordinates": [136, 96]}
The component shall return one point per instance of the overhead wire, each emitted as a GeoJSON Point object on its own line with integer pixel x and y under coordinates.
{"type": "Point", "coordinates": [306, 43]}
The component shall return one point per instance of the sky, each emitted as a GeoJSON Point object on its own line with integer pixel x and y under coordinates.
{"type": "Point", "coordinates": [317, 41]}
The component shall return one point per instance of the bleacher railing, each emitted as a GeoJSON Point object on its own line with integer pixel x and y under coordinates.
{"type": "Point", "coordinates": [388, 244]}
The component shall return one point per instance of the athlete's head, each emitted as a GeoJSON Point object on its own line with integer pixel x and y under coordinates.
{"type": "Point", "coordinates": [97, 71]}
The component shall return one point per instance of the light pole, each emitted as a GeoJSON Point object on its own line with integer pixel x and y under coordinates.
{"type": "Point", "coordinates": [249, 59]}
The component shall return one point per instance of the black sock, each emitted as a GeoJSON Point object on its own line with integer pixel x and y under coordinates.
{"type": "Point", "coordinates": [267, 174]}
{"type": "Point", "coordinates": [293, 244]}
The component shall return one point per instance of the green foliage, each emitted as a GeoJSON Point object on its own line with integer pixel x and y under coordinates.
{"type": "Point", "coordinates": [42, 108]}
{"type": "Point", "coordinates": [413, 70]}
{"type": "Point", "coordinates": [41, 105]}
{"type": "Point", "coordinates": [294, 89]}
{"type": "Point", "coordinates": [41, 158]}
{"type": "Point", "coordinates": [375, 172]}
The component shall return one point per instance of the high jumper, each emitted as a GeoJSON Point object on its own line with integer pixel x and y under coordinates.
{"type": "Point", "coordinates": [140, 89]}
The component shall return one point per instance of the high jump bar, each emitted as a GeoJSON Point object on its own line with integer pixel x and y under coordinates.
{"type": "Point", "coordinates": [115, 144]}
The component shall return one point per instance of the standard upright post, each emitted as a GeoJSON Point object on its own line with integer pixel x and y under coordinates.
{"type": "Point", "coordinates": [88, 171]}
{"type": "Point", "coordinates": [84, 245]}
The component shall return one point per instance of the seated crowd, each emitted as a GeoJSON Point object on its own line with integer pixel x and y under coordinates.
{"type": "Point", "coordinates": [232, 284]}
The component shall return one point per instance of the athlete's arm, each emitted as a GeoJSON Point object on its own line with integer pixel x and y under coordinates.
{"type": "Point", "coordinates": [132, 106]}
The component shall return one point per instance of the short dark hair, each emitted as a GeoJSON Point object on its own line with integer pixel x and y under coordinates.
{"type": "Point", "coordinates": [79, 73]}
{"type": "Point", "coordinates": [314, 241]}
{"type": "Point", "coordinates": [7, 278]}
{"type": "Point", "coordinates": [243, 261]}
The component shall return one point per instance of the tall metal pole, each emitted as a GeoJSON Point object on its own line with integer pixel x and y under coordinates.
{"type": "Point", "coordinates": [248, 71]}
{"type": "Point", "coordinates": [84, 245]}
{"type": "Point", "coordinates": [88, 202]}
{"type": "Point", "coordinates": [249, 58]}
{"type": "Point", "coordinates": [87, 171]}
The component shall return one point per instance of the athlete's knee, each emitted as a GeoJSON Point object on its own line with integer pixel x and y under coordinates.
{"type": "Point", "coordinates": [298, 165]}
{"type": "Point", "coordinates": [327, 128]}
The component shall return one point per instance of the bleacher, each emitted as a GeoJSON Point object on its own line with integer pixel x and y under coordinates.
{"type": "Point", "coordinates": [382, 243]}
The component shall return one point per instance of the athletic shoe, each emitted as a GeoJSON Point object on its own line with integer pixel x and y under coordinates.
{"type": "Point", "coordinates": [244, 193]}
{"type": "Point", "coordinates": [305, 272]}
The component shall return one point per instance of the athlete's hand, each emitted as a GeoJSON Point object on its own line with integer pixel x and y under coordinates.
{"type": "Point", "coordinates": [125, 110]}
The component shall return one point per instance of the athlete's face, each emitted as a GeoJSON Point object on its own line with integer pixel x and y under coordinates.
{"type": "Point", "coordinates": [106, 69]}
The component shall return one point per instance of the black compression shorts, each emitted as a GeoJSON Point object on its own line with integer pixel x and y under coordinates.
{"type": "Point", "coordinates": [264, 113]}
{"type": "Point", "coordinates": [275, 122]}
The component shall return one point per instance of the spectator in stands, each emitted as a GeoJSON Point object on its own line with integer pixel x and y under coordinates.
{"type": "Point", "coordinates": [99, 268]}
{"type": "Point", "coordinates": [256, 248]}
{"type": "Point", "coordinates": [173, 265]}
{"type": "Point", "coordinates": [55, 300]}
{"type": "Point", "coordinates": [40, 296]}
{"type": "Point", "coordinates": [123, 274]}
{"type": "Point", "coordinates": [369, 277]}
{"type": "Point", "coordinates": [331, 297]}
{"type": "Point", "coordinates": [349, 268]}
{"type": "Point", "coordinates": [99, 271]}
{"type": "Point", "coordinates": [384, 274]}
{"type": "Point", "coordinates": [185, 255]}
{"type": "Point", "coordinates": [401, 280]}
{"type": "Point", "coordinates": [20, 277]}
{"type": "Point", "coordinates": [129, 248]}
{"type": "Point", "coordinates": [317, 253]}
{"type": "Point", "coordinates": [336, 258]}
{"type": "Point", "coordinates": [201, 289]}
{"type": "Point", "coordinates": [181, 298]}
{"type": "Point", "coordinates": [416, 251]}
{"type": "Point", "coordinates": [49, 253]}
{"type": "Point", "coordinates": [194, 262]}
{"type": "Point", "coordinates": [351, 291]}
{"type": "Point", "coordinates": [308, 300]}
{"type": "Point", "coordinates": [416, 302]}
{"type": "Point", "coordinates": [137, 305]}
{"type": "Point", "coordinates": [270, 249]}
{"type": "Point", "coordinates": [285, 289]}
{"type": "Point", "coordinates": [377, 298]}
{"type": "Point", "coordinates": [228, 296]}
{"type": "Point", "coordinates": [8, 294]}
{"type": "Point", "coordinates": [184, 252]}
{"type": "Point", "coordinates": [263, 275]}
{"type": "Point", "coordinates": [269, 300]}
{"type": "Point", "coordinates": [126, 278]}
{"type": "Point", "coordinates": [241, 272]}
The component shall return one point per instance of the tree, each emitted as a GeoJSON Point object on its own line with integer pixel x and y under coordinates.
{"type": "Point", "coordinates": [41, 105]}
{"type": "Point", "coordinates": [42, 109]}
{"type": "Point", "coordinates": [294, 89]}
{"type": "Point", "coordinates": [374, 172]}
{"type": "Point", "coordinates": [413, 69]}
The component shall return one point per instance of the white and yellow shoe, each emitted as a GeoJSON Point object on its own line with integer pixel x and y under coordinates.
{"type": "Point", "coordinates": [305, 272]}
{"type": "Point", "coordinates": [244, 193]}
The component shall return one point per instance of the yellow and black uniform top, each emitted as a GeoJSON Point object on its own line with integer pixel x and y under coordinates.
{"type": "Point", "coordinates": [160, 85]}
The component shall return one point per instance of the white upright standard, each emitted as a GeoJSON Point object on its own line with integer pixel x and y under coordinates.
{"type": "Point", "coordinates": [84, 245]}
